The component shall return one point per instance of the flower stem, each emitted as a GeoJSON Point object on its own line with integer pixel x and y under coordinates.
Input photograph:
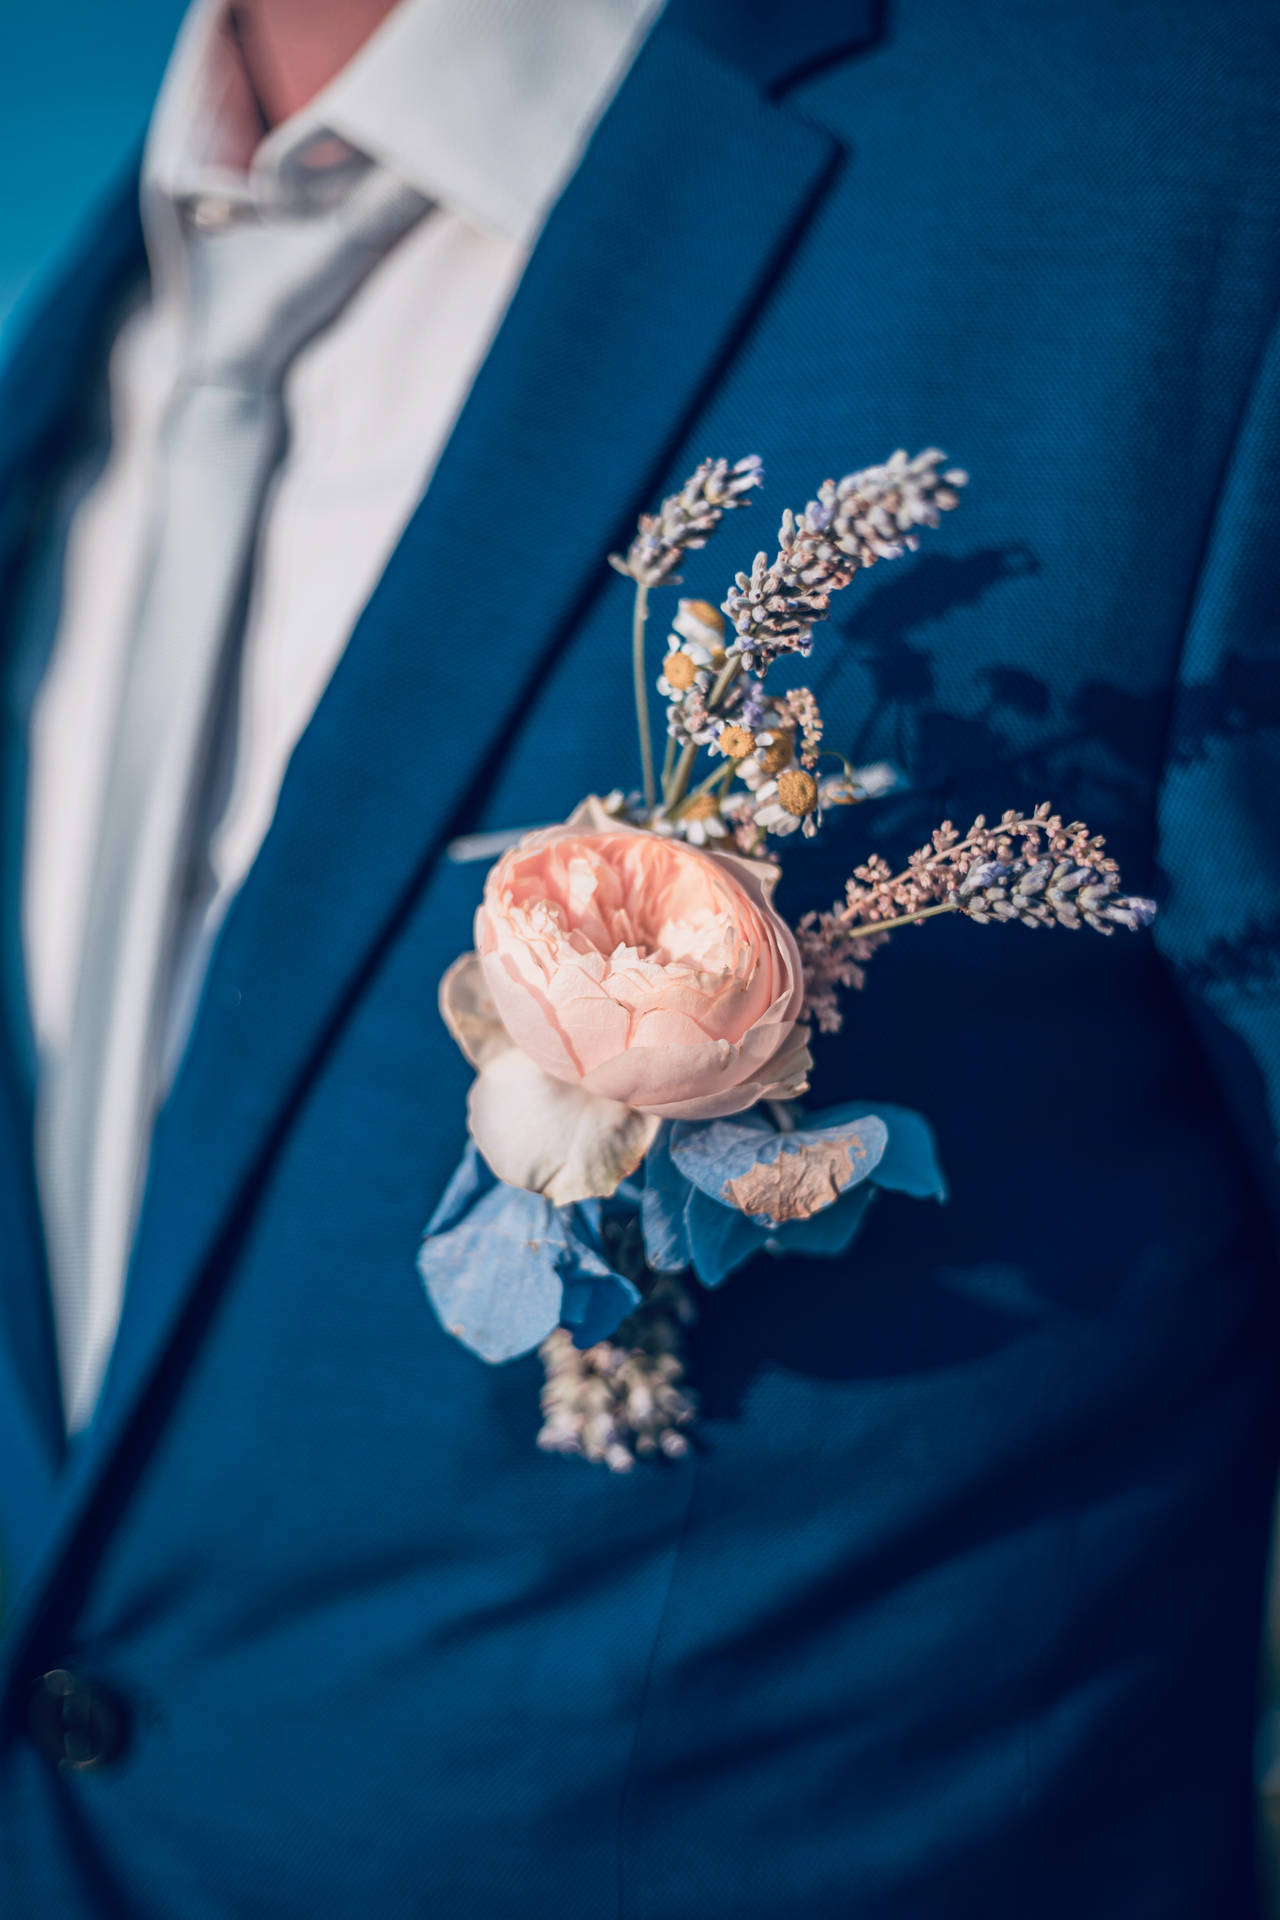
{"type": "Point", "coordinates": [679, 784]}
{"type": "Point", "coordinates": [903, 920]}
{"type": "Point", "coordinates": [639, 617]}
{"type": "Point", "coordinates": [680, 778]}
{"type": "Point", "coordinates": [721, 776]}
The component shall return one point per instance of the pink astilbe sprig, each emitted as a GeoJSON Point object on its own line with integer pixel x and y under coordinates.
{"type": "Point", "coordinates": [1032, 868]}
{"type": "Point", "coordinates": [834, 956]}
{"type": "Point", "coordinates": [870, 515]}
{"type": "Point", "coordinates": [686, 520]}
{"type": "Point", "coordinates": [800, 711]}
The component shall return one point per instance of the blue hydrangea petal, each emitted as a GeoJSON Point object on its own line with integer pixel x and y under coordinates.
{"type": "Point", "coordinates": [471, 1178]}
{"type": "Point", "coordinates": [910, 1161]}
{"type": "Point", "coordinates": [829, 1233]}
{"type": "Point", "coordinates": [595, 1304]}
{"type": "Point", "coordinates": [714, 1154]}
{"type": "Point", "coordinates": [502, 1267]}
{"type": "Point", "coordinates": [663, 1209]}
{"type": "Point", "coordinates": [596, 1297]}
{"type": "Point", "coordinates": [721, 1239]}
{"type": "Point", "coordinates": [494, 1275]}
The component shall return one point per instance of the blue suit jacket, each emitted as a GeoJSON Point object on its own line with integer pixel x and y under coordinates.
{"type": "Point", "coordinates": [956, 1610]}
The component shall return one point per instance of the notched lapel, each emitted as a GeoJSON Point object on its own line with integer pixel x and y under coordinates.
{"type": "Point", "coordinates": [42, 386]}
{"type": "Point", "coordinates": [43, 379]}
{"type": "Point", "coordinates": [649, 270]}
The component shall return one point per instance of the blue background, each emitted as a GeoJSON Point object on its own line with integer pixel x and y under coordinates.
{"type": "Point", "coordinates": [76, 84]}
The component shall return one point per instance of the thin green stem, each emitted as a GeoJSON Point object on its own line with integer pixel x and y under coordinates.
{"type": "Point", "coordinates": [640, 676]}
{"type": "Point", "coordinates": [903, 920]}
{"type": "Point", "coordinates": [679, 785]}
{"type": "Point", "coordinates": [721, 776]}
{"type": "Point", "coordinates": [668, 763]}
{"type": "Point", "coordinates": [680, 778]}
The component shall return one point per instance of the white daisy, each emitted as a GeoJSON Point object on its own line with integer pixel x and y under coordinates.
{"type": "Point", "coordinates": [791, 800]}
{"type": "Point", "coordinates": [773, 751]}
{"type": "Point", "coordinates": [701, 627]}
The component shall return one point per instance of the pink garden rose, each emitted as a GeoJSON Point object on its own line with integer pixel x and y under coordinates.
{"type": "Point", "coordinates": [621, 978]}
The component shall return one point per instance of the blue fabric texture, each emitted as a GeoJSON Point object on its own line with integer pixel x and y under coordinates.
{"type": "Point", "coordinates": [954, 1612]}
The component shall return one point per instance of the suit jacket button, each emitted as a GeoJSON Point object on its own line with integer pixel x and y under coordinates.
{"type": "Point", "coordinates": [77, 1723]}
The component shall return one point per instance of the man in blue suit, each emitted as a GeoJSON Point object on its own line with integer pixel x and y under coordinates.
{"type": "Point", "coordinates": [955, 1609]}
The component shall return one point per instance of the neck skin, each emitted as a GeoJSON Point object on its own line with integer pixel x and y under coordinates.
{"type": "Point", "coordinates": [282, 53]}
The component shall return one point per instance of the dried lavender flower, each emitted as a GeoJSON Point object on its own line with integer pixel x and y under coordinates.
{"type": "Point", "coordinates": [622, 1399]}
{"type": "Point", "coordinates": [934, 874]}
{"type": "Point", "coordinates": [1028, 867]}
{"type": "Point", "coordinates": [686, 520]}
{"type": "Point", "coordinates": [871, 515]}
{"type": "Point", "coordinates": [1045, 892]}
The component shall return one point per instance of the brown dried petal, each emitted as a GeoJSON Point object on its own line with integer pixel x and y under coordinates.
{"type": "Point", "coordinates": [800, 1182]}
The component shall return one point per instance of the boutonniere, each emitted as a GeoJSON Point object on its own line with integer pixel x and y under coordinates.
{"type": "Point", "coordinates": [640, 1016]}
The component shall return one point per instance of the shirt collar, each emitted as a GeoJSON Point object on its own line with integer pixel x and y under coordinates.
{"type": "Point", "coordinates": [484, 106]}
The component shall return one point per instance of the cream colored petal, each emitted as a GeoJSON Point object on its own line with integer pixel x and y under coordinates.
{"type": "Point", "coordinates": [590, 816]}
{"type": "Point", "coordinates": [759, 877]}
{"type": "Point", "coordinates": [467, 1009]}
{"type": "Point", "coordinates": [788, 1075]}
{"type": "Point", "coordinates": [552, 1138]}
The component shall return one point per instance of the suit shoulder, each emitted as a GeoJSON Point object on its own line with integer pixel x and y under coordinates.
{"type": "Point", "coordinates": [1167, 91]}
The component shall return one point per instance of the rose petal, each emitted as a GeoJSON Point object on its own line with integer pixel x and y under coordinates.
{"type": "Point", "coordinates": [550, 1137]}
{"type": "Point", "coordinates": [467, 1009]}
{"type": "Point", "coordinates": [657, 976]}
{"type": "Point", "coordinates": [532, 1020]}
{"type": "Point", "coordinates": [789, 1070]}
{"type": "Point", "coordinates": [729, 1080]}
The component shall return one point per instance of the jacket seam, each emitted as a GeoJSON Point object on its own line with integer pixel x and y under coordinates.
{"type": "Point", "coordinates": [646, 1682]}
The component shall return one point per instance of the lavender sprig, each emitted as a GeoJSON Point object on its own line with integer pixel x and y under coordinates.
{"type": "Point", "coordinates": [686, 520]}
{"type": "Point", "coordinates": [1028, 867]}
{"type": "Point", "coordinates": [868, 516]}
{"type": "Point", "coordinates": [1042, 893]}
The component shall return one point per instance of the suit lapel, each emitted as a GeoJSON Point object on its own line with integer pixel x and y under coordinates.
{"type": "Point", "coordinates": [646, 275]}
{"type": "Point", "coordinates": [41, 390]}
{"type": "Point", "coordinates": [43, 379]}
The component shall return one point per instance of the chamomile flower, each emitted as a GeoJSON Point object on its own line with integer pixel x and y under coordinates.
{"type": "Point", "coordinates": [791, 800]}
{"type": "Point", "coordinates": [735, 742]}
{"type": "Point", "coordinates": [702, 822]}
{"type": "Point", "coordinates": [773, 750]}
{"type": "Point", "coordinates": [701, 627]}
{"type": "Point", "coordinates": [680, 675]}
{"type": "Point", "coordinates": [699, 822]}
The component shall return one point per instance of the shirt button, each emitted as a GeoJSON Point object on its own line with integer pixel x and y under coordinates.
{"type": "Point", "coordinates": [77, 1723]}
{"type": "Point", "coordinates": [208, 213]}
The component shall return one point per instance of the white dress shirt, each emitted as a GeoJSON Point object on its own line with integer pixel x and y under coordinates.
{"type": "Point", "coordinates": [483, 106]}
